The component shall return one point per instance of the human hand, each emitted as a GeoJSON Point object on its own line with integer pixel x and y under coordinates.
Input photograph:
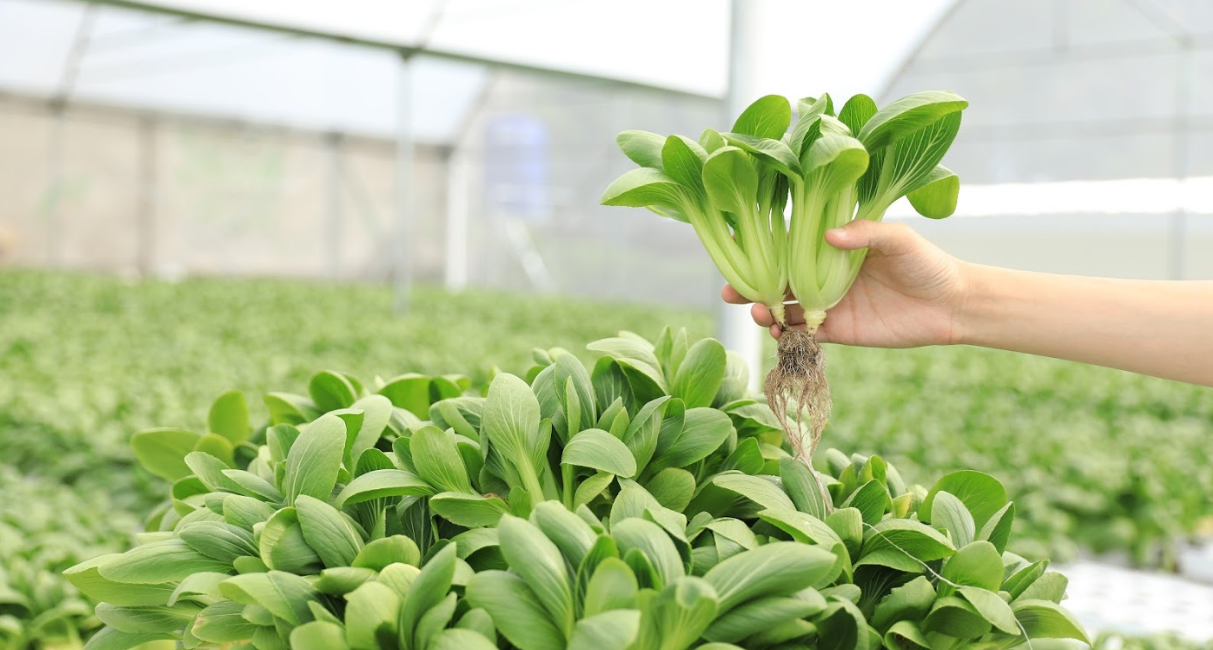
{"type": "Point", "coordinates": [908, 293]}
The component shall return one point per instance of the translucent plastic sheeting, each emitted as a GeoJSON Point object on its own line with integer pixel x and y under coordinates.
{"type": "Point", "coordinates": [142, 59]}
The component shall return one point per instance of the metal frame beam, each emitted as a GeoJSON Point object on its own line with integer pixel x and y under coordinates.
{"type": "Point", "coordinates": [404, 49]}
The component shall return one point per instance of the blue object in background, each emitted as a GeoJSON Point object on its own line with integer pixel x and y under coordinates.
{"type": "Point", "coordinates": [516, 166]}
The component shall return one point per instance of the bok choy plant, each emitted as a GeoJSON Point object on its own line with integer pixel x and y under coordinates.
{"type": "Point", "coordinates": [831, 167]}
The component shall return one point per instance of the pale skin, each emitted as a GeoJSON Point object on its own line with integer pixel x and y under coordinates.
{"type": "Point", "coordinates": [910, 293]}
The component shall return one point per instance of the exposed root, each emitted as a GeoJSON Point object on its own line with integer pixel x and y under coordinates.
{"type": "Point", "coordinates": [797, 384]}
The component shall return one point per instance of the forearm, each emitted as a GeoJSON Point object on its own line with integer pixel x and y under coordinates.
{"type": "Point", "coordinates": [1164, 329]}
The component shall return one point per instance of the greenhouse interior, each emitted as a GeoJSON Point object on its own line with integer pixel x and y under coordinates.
{"type": "Point", "coordinates": [237, 233]}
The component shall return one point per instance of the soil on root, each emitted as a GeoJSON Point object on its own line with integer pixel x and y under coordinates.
{"type": "Point", "coordinates": [797, 384]}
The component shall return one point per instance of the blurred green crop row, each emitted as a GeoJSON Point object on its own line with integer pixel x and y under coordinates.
{"type": "Point", "coordinates": [1094, 458]}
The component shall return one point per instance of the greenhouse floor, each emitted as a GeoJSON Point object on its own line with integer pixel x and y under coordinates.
{"type": "Point", "coordinates": [1108, 598]}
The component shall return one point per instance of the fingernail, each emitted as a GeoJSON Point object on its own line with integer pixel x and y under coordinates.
{"type": "Point", "coordinates": [838, 233]}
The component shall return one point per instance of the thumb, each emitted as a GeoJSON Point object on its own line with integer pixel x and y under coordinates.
{"type": "Point", "coordinates": [884, 238]}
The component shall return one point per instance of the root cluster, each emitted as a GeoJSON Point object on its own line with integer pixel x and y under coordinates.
{"type": "Point", "coordinates": [798, 393]}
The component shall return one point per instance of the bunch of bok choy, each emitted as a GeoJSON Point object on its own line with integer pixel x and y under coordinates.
{"type": "Point", "coordinates": [831, 167]}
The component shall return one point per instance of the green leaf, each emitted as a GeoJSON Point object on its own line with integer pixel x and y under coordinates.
{"type": "Point", "coordinates": [612, 586]}
{"type": "Point", "coordinates": [318, 635]}
{"type": "Point", "coordinates": [772, 152]}
{"type": "Point", "coordinates": [468, 510]}
{"type": "Point", "coordinates": [162, 451]}
{"type": "Point", "coordinates": [906, 635]}
{"type": "Point", "coordinates": [644, 187]}
{"type": "Point", "coordinates": [229, 417]}
{"type": "Point", "coordinates": [704, 430]}
{"type": "Point", "coordinates": [146, 619]}
{"type": "Point", "coordinates": [767, 117]}
{"type": "Point", "coordinates": [700, 374]}
{"type": "Point", "coordinates": [1042, 619]}
{"type": "Point", "coordinates": [438, 461]}
{"type": "Point", "coordinates": [730, 177]}
{"type": "Point", "coordinates": [510, 422]}
{"type": "Point", "coordinates": [285, 595]}
{"type": "Point", "coordinates": [428, 590]}
{"type": "Point", "coordinates": [410, 392]}
{"type": "Point", "coordinates": [841, 626]}
{"type": "Point", "coordinates": [368, 608]}
{"type": "Point", "coordinates": [253, 486]}
{"type": "Point", "coordinates": [613, 630]}
{"type": "Point", "coordinates": [331, 391]}
{"type": "Point", "coordinates": [566, 530]}
{"type": "Point", "coordinates": [380, 553]}
{"type": "Point", "coordinates": [642, 147]}
{"type": "Point", "coordinates": [977, 564]}
{"type": "Point", "coordinates": [591, 487]}
{"type": "Point", "coordinates": [1051, 587]}
{"type": "Point", "coordinates": [88, 579]}
{"type": "Point", "coordinates": [540, 564]}
{"type": "Point", "coordinates": [774, 569]}
{"type": "Point", "coordinates": [285, 408]}
{"type": "Point", "coordinates": [460, 640]}
{"type": "Point", "coordinates": [802, 527]}
{"type": "Point", "coordinates": [856, 112]}
{"type": "Point", "coordinates": [682, 160]}
{"type": "Point", "coordinates": [376, 412]}
{"type": "Point", "coordinates": [957, 618]}
{"type": "Point", "coordinates": [220, 541]}
{"type": "Point", "coordinates": [328, 533]}
{"type": "Point", "coordinates": [760, 615]}
{"type": "Point", "coordinates": [383, 483]}
{"type": "Point", "coordinates": [283, 547]}
{"type": "Point", "coordinates": [802, 487]}
{"type": "Point", "coordinates": [952, 515]}
{"type": "Point", "coordinates": [217, 446]}
{"type": "Point", "coordinates": [907, 115]}
{"type": "Point", "coordinates": [871, 500]}
{"type": "Point", "coordinates": [599, 450]}
{"type": "Point", "coordinates": [111, 639]}
{"type": "Point", "coordinates": [839, 160]}
{"type": "Point", "coordinates": [997, 530]}
{"type": "Point", "coordinates": [342, 580]}
{"type": "Point", "coordinates": [516, 610]}
{"type": "Point", "coordinates": [314, 459]}
{"type": "Point", "coordinates": [672, 487]}
{"type": "Point", "coordinates": [634, 355]}
{"type": "Point", "coordinates": [909, 602]}
{"type": "Point", "coordinates": [203, 587]}
{"type": "Point", "coordinates": [992, 608]}
{"type": "Point", "coordinates": [433, 621]}
{"type": "Point", "coordinates": [165, 561]}
{"type": "Point", "coordinates": [245, 512]}
{"type": "Point", "coordinates": [893, 542]}
{"type": "Point", "coordinates": [653, 543]}
{"type": "Point", "coordinates": [981, 493]}
{"type": "Point", "coordinates": [223, 622]}
{"type": "Point", "coordinates": [937, 195]}
{"type": "Point", "coordinates": [760, 490]}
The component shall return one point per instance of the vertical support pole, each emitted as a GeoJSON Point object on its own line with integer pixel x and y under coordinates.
{"type": "Point", "coordinates": [733, 324]}
{"type": "Point", "coordinates": [402, 258]}
{"type": "Point", "coordinates": [148, 193]}
{"type": "Point", "coordinates": [1178, 230]}
{"type": "Point", "coordinates": [332, 148]}
{"type": "Point", "coordinates": [55, 190]}
{"type": "Point", "coordinates": [456, 269]}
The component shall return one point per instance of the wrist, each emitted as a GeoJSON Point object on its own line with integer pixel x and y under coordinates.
{"type": "Point", "coordinates": [965, 307]}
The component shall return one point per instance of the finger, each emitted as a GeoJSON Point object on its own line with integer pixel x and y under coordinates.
{"type": "Point", "coordinates": [775, 332]}
{"type": "Point", "coordinates": [762, 315]}
{"type": "Point", "coordinates": [730, 295]}
{"type": "Point", "coordinates": [885, 238]}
